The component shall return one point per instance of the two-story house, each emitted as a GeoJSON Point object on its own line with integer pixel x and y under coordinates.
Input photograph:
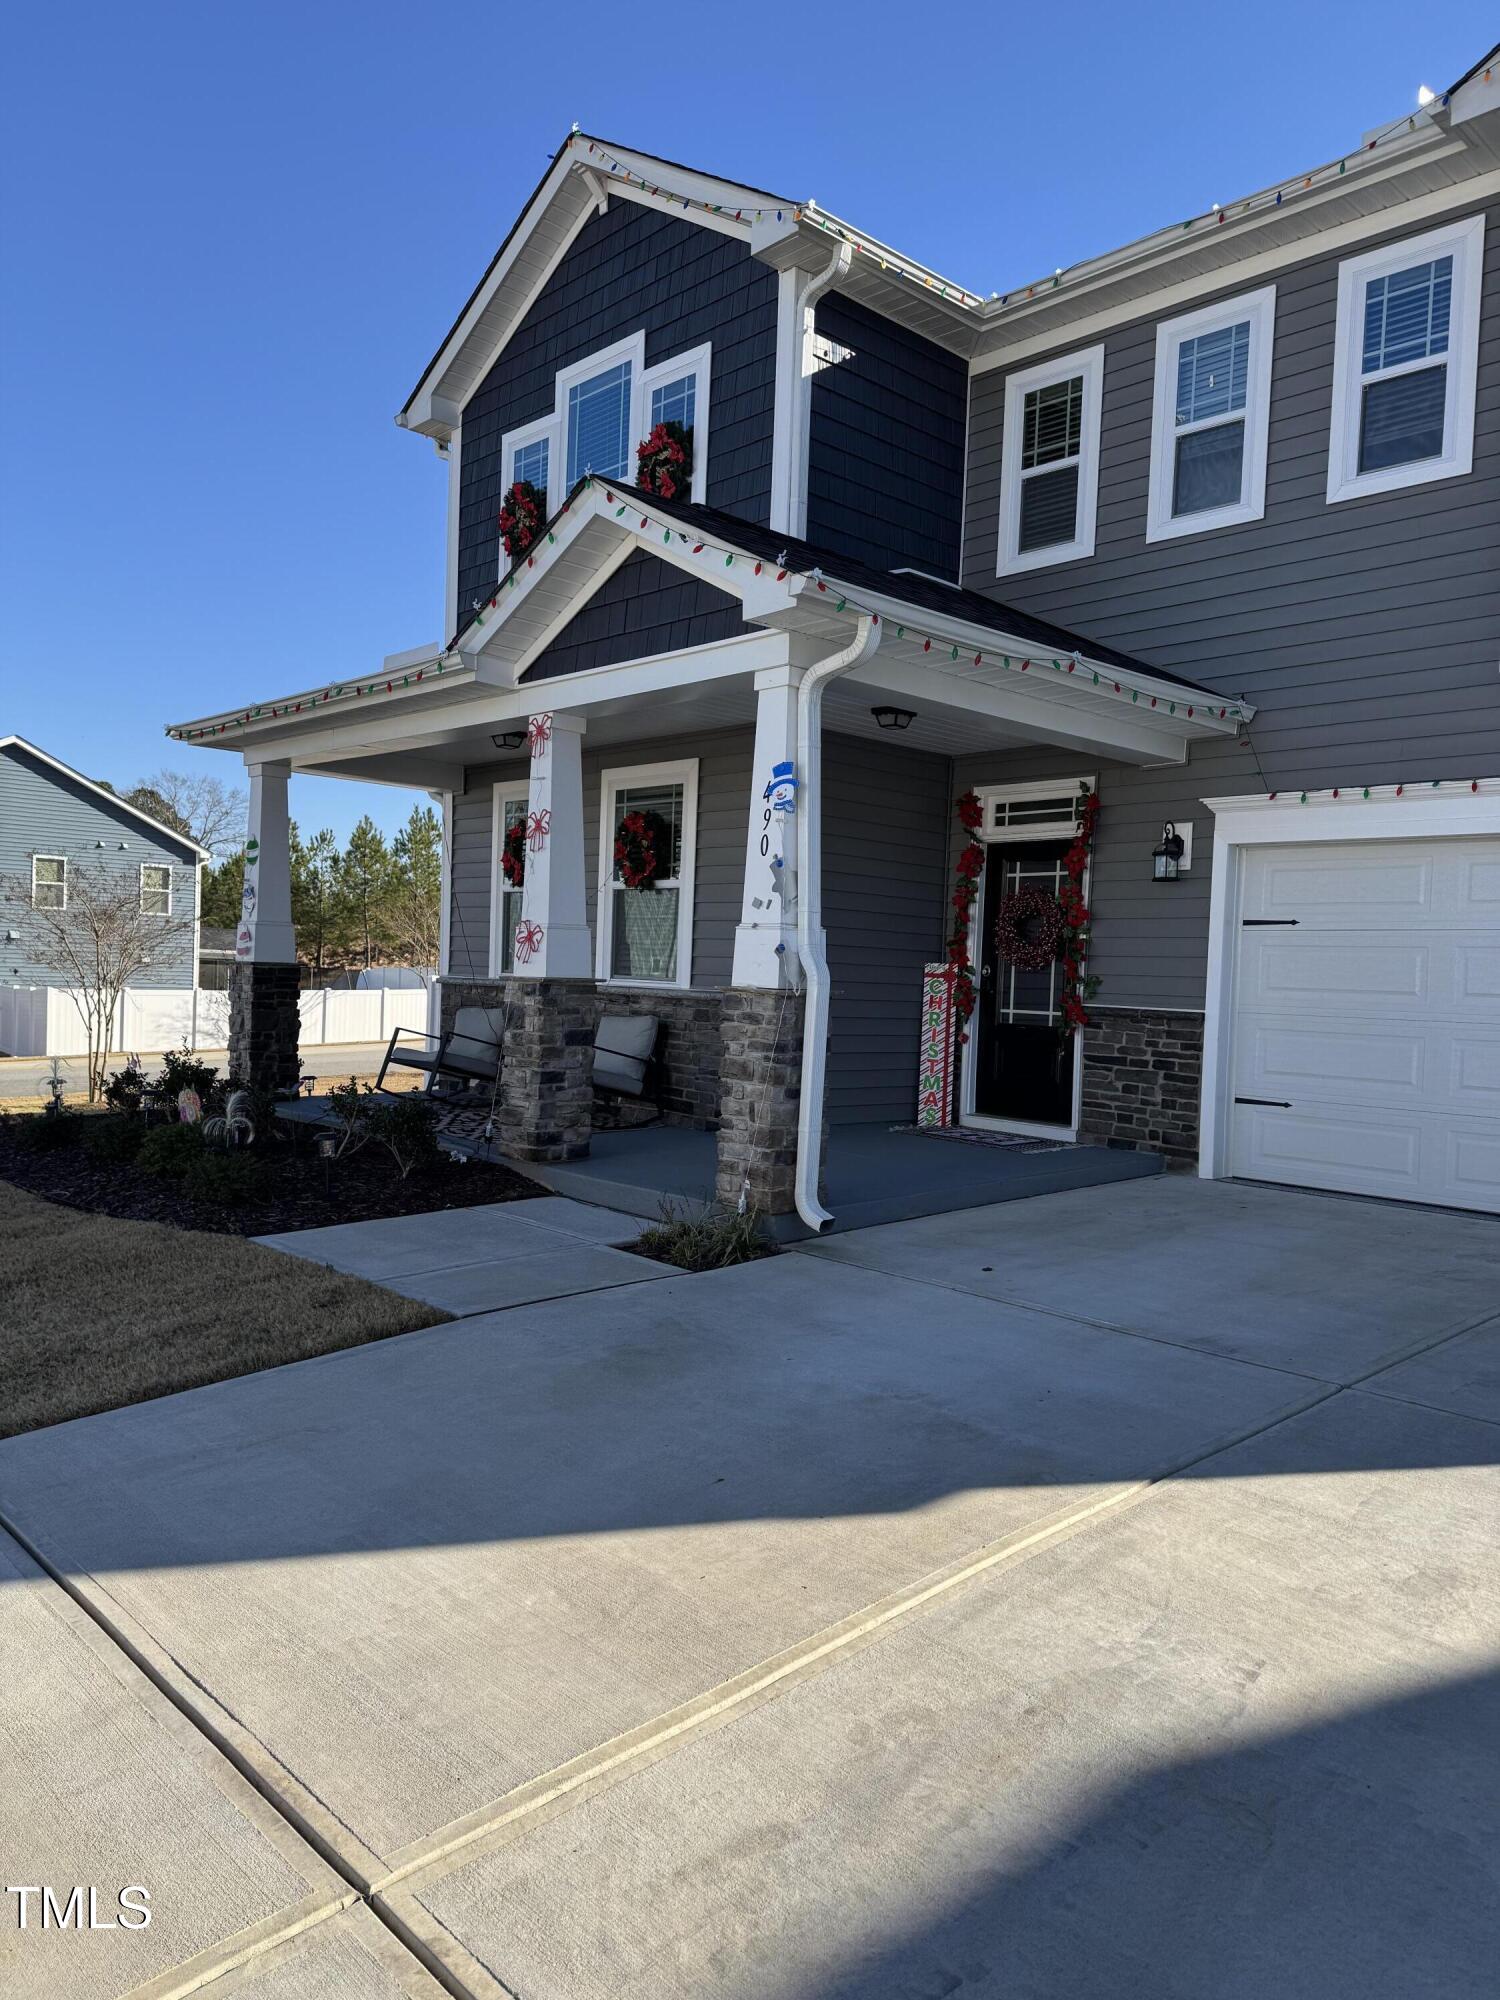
{"type": "Point", "coordinates": [1192, 549]}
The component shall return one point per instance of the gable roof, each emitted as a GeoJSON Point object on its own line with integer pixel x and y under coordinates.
{"type": "Point", "coordinates": [105, 796]}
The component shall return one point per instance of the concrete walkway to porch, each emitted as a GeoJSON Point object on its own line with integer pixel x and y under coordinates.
{"type": "Point", "coordinates": [876, 1173]}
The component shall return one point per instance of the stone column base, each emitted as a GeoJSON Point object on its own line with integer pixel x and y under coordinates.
{"type": "Point", "coordinates": [760, 1089]}
{"type": "Point", "coordinates": [1142, 1081]}
{"type": "Point", "coordinates": [263, 1025]}
{"type": "Point", "coordinates": [547, 1083]}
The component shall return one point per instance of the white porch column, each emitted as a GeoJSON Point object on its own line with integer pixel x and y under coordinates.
{"type": "Point", "coordinates": [265, 934]}
{"type": "Point", "coordinates": [552, 939]}
{"type": "Point", "coordinates": [444, 803]}
{"type": "Point", "coordinates": [765, 943]}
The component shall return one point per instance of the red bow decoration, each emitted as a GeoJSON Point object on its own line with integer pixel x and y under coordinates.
{"type": "Point", "coordinates": [528, 940]}
{"type": "Point", "coordinates": [537, 828]}
{"type": "Point", "coordinates": [539, 733]}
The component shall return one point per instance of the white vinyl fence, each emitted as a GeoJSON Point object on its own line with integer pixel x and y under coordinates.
{"type": "Point", "coordinates": [45, 1021]}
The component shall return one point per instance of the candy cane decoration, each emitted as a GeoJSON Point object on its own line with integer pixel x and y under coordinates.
{"type": "Point", "coordinates": [528, 941]}
{"type": "Point", "coordinates": [539, 732]}
{"type": "Point", "coordinates": [537, 828]}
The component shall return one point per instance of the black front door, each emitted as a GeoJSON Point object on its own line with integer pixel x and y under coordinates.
{"type": "Point", "coordinates": [1023, 1064]}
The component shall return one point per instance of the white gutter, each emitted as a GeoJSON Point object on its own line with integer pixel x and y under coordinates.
{"type": "Point", "coordinates": [811, 942]}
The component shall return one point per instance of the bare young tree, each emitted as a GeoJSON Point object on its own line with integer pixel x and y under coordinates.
{"type": "Point", "coordinates": [195, 803]}
{"type": "Point", "coordinates": [91, 928]}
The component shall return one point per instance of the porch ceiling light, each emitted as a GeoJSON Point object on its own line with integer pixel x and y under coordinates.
{"type": "Point", "coordinates": [509, 739]}
{"type": "Point", "coordinates": [1166, 857]}
{"type": "Point", "coordinates": [894, 718]}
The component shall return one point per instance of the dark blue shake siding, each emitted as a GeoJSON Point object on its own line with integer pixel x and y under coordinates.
{"type": "Point", "coordinates": [885, 468]}
{"type": "Point", "coordinates": [633, 268]}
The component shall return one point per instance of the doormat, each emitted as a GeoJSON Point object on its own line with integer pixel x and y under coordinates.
{"type": "Point", "coordinates": [1004, 1142]}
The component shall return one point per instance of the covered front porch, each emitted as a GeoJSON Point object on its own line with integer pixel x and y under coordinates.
{"type": "Point", "coordinates": [811, 845]}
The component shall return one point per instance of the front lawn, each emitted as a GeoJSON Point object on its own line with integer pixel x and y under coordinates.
{"type": "Point", "coordinates": [97, 1313]}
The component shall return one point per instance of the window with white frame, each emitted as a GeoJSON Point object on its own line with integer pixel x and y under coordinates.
{"type": "Point", "coordinates": [511, 807]}
{"type": "Point", "coordinates": [1049, 479]}
{"type": "Point", "coordinates": [156, 889]}
{"type": "Point", "coordinates": [645, 936]}
{"type": "Point", "coordinates": [602, 409]}
{"type": "Point", "coordinates": [1406, 361]}
{"type": "Point", "coordinates": [1210, 416]}
{"type": "Point", "coordinates": [49, 882]}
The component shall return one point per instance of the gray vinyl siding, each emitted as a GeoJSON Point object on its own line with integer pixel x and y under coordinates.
{"type": "Point", "coordinates": [885, 864]}
{"type": "Point", "coordinates": [44, 812]}
{"type": "Point", "coordinates": [1366, 633]}
{"type": "Point", "coordinates": [632, 269]}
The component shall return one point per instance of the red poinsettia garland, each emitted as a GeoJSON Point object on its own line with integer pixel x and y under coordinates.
{"type": "Point", "coordinates": [664, 461]}
{"type": "Point", "coordinates": [965, 889]}
{"type": "Point", "coordinates": [523, 513]}
{"type": "Point", "coordinates": [1079, 985]}
{"type": "Point", "coordinates": [513, 854]}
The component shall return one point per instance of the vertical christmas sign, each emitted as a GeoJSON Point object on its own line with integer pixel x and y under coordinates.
{"type": "Point", "coordinates": [935, 1059]}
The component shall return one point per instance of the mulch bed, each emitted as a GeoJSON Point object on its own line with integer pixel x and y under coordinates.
{"type": "Point", "coordinates": [360, 1189]}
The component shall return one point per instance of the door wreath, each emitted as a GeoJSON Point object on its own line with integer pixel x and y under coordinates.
{"type": "Point", "coordinates": [1029, 929]}
{"type": "Point", "coordinates": [643, 841]}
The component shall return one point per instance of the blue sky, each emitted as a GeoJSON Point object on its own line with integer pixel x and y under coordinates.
{"type": "Point", "coordinates": [233, 236]}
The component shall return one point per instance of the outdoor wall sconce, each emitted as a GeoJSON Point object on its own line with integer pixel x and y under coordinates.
{"type": "Point", "coordinates": [509, 739]}
{"type": "Point", "coordinates": [894, 718]}
{"type": "Point", "coordinates": [1166, 858]}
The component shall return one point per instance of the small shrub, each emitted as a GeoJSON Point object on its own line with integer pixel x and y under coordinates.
{"type": "Point", "coordinates": [404, 1126]}
{"type": "Point", "coordinates": [181, 1070]}
{"type": "Point", "coordinates": [169, 1150]}
{"type": "Point", "coordinates": [50, 1131]}
{"type": "Point", "coordinates": [126, 1089]}
{"type": "Point", "coordinates": [115, 1139]}
{"type": "Point", "coordinates": [229, 1179]}
{"type": "Point", "coordinates": [711, 1243]}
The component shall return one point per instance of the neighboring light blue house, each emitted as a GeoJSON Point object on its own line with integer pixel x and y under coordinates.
{"type": "Point", "coordinates": [53, 821]}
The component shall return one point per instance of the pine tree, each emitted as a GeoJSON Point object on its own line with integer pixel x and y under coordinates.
{"type": "Point", "coordinates": [415, 908]}
{"type": "Point", "coordinates": [366, 879]}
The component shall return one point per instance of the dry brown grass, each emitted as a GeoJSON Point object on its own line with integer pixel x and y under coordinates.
{"type": "Point", "coordinates": [96, 1313]}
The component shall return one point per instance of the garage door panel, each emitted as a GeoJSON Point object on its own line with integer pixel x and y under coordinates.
{"type": "Point", "coordinates": [1370, 1026]}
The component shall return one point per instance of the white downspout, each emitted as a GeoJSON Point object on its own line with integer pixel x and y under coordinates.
{"type": "Point", "coordinates": [811, 943]}
{"type": "Point", "coordinates": [802, 374]}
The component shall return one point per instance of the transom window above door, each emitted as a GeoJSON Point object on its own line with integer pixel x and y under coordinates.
{"type": "Point", "coordinates": [602, 408]}
{"type": "Point", "coordinates": [1050, 462]}
{"type": "Point", "coordinates": [1210, 417]}
{"type": "Point", "coordinates": [1406, 362]}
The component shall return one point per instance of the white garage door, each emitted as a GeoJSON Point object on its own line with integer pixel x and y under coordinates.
{"type": "Point", "coordinates": [1365, 1044]}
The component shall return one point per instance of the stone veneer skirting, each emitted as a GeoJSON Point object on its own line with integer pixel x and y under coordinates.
{"type": "Point", "coordinates": [1142, 1075]}
{"type": "Point", "coordinates": [690, 1050]}
{"type": "Point", "coordinates": [264, 1025]}
{"type": "Point", "coordinates": [762, 1071]}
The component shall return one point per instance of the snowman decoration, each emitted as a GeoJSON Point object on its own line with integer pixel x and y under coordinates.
{"type": "Point", "coordinates": [782, 790]}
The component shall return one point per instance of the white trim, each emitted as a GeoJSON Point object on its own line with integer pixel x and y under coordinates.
{"type": "Point", "coordinates": [684, 773]}
{"type": "Point", "coordinates": [988, 795]}
{"type": "Point", "coordinates": [167, 866]}
{"type": "Point", "coordinates": [549, 427]}
{"type": "Point", "coordinates": [110, 798]}
{"type": "Point", "coordinates": [631, 350]}
{"type": "Point", "coordinates": [1089, 363]}
{"type": "Point", "coordinates": [697, 362]}
{"type": "Point", "coordinates": [784, 438]}
{"type": "Point", "coordinates": [449, 622]}
{"type": "Point", "coordinates": [502, 791]}
{"type": "Point", "coordinates": [1259, 308]}
{"type": "Point", "coordinates": [1450, 810]}
{"type": "Point", "coordinates": [1464, 242]}
{"type": "Point", "coordinates": [62, 861]}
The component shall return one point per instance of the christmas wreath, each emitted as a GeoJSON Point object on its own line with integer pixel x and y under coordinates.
{"type": "Point", "coordinates": [522, 514]}
{"type": "Point", "coordinates": [1029, 929]}
{"type": "Point", "coordinates": [664, 462]}
{"type": "Point", "coordinates": [643, 841]}
{"type": "Point", "coordinates": [513, 854]}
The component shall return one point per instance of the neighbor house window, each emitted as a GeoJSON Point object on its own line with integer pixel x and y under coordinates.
{"type": "Point", "coordinates": [510, 811]}
{"type": "Point", "coordinates": [602, 408]}
{"type": "Point", "coordinates": [1050, 462]}
{"type": "Point", "coordinates": [1405, 363]}
{"type": "Point", "coordinates": [156, 890]}
{"type": "Point", "coordinates": [646, 935]}
{"type": "Point", "coordinates": [49, 882]}
{"type": "Point", "coordinates": [1210, 417]}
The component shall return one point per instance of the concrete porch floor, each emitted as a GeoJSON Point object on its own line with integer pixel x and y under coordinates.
{"type": "Point", "coordinates": [874, 1174]}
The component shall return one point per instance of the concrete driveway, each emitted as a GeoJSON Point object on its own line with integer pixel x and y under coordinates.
{"type": "Point", "coordinates": [1095, 1595]}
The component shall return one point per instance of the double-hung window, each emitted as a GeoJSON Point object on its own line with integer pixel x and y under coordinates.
{"type": "Point", "coordinates": [676, 392]}
{"type": "Point", "coordinates": [1210, 417]}
{"type": "Point", "coordinates": [511, 811]}
{"type": "Point", "coordinates": [645, 936]}
{"type": "Point", "coordinates": [49, 882]}
{"type": "Point", "coordinates": [1405, 363]}
{"type": "Point", "coordinates": [156, 889]}
{"type": "Point", "coordinates": [1049, 477]}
